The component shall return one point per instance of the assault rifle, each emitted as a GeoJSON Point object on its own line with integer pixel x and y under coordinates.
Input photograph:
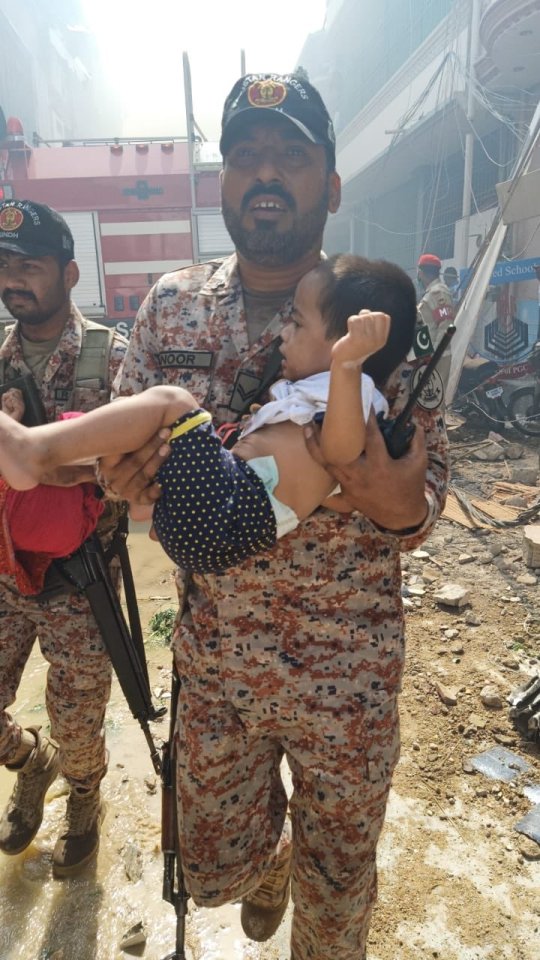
{"type": "Point", "coordinates": [174, 889]}
{"type": "Point", "coordinates": [87, 570]}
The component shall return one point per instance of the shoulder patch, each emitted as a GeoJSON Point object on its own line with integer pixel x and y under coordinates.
{"type": "Point", "coordinates": [432, 395]}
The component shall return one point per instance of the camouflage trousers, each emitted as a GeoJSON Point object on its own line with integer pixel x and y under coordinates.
{"type": "Point", "coordinates": [78, 679]}
{"type": "Point", "coordinates": [232, 805]}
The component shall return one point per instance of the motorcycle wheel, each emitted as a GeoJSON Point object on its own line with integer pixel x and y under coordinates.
{"type": "Point", "coordinates": [524, 411]}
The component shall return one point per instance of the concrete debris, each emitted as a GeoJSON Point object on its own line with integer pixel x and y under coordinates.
{"type": "Point", "coordinates": [452, 595]}
{"type": "Point", "coordinates": [491, 697]}
{"type": "Point", "coordinates": [500, 764]}
{"type": "Point", "coordinates": [530, 824]}
{"type": "Point", "coordinates": [133, 862]}
{"type": "Point", "coordinates": [490, 452]}
{"type": "Point", "coordinates": [446, 694]}
{"type": "Point", "coordinates": [134, 936]}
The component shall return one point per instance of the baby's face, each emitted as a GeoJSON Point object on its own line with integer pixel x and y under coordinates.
{"type": "Point", "coordinates": [305, 349]}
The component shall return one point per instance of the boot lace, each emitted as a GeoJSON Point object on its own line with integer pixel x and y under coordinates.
{"type": "Point", "coordinates": [81, 812]}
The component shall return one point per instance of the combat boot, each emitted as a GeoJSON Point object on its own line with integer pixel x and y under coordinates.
{"type": "Point", "coordinates": [264, 907]}
{"type": "Point", "coordinates": [79, 842]}
{"type": "Point", "coordinates": [23, 814]}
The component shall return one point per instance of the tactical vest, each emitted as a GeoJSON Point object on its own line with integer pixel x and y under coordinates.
{"type": "Point", "coordinates": [92, 364]}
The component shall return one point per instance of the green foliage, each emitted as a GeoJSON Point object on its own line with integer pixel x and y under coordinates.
{"type": "Point", "coordinates": [161, 626]}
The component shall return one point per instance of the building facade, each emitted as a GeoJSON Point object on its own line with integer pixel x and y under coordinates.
{"type": "Point", "coordinates": [431, 103]}
{"type": "Point", "coordinates": [51, 75]}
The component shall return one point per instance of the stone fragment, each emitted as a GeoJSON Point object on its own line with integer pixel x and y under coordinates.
{"type": "Point", "coordinates": [525, 475]}
{"type": "Point", "coordinates": [514, 451]}
{"type": "Point", "coordinates": [527, 579]}
{"type": "Point", "coordinates": [134, 936]}
{"type": "Point", "coordinates": [489, 453]}
{"type": "Point", "coordinates": [447, 694]}
{"type": "Point", "coordinates": [133, 861]}
{"type": "Point", "coordinates": [491, 697]}
{"type": "Point", "coordinates": [452, 595]}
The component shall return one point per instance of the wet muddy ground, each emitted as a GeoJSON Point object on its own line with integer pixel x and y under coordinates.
{"type": "Point", "coordinates": [457, 881]}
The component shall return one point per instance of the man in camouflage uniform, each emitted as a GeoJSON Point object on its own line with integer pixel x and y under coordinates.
{"type": "Point", "coordinates": [37, 274]}
{"type": "Point", "coordinates": [299, 651]}
{"type": "Point", "coordinates": [436, 309]}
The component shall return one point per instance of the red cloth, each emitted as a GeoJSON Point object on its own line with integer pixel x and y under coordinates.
{"type": "Point", "coordinates": [40, 524]}
{"type": "Point", "coordinates": [43, 523]}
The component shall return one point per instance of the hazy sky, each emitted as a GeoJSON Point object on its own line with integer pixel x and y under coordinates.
{"type": "Point", "coordinates": [143, 41]}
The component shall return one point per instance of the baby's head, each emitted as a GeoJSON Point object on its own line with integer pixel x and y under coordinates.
{"type": "Point", "coordinates": [348, 284]}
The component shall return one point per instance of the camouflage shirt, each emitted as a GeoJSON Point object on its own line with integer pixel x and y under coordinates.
{"type": "Point", "coordinates": [319, 616]}
{"type": "Point", "coordinates": [57, 389]}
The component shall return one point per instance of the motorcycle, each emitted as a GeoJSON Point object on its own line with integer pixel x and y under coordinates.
{"type": "Point", "coordinates": [524, 403]}
{"type": "Point", "coordinates": [480, 395]}
{"type": "Point", "coordinates": [480, 392]}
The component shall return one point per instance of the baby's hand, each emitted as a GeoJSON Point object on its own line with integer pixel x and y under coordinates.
{"type": "Point", "coordinates": [368, 332]}
{"type": "Point", "coordinates": [13, 404]}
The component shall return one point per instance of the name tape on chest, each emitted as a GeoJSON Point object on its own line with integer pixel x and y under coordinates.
{"type": "Point", "coordinates": [186, 359]}
{"type": "Point", "coordinates": [61, 395]}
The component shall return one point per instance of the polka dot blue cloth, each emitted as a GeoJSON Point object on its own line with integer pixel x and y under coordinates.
{"type": "Point", "coordinates": [213, 512]}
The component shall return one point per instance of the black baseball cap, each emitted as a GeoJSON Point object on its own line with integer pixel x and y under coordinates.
{"type": "Point", "coordinates": [290, 95]}
{"type": "Point", "coordinates": [34, 230]}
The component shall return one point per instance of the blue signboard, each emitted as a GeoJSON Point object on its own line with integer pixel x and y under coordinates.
{"type": "Point", "coordinates": [508, 271]}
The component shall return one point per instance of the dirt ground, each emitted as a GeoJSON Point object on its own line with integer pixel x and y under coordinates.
{"type": "Point", "coordinates": [457, 881]}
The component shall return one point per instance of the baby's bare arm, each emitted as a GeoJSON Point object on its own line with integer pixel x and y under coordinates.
{"type": "Point", "coordinates": [343, 434]}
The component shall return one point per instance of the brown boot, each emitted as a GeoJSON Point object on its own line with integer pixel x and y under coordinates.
{"type": "Point", "coordinates": [22, 817]}
{"type": "Point", "coordinates": [264, 907]}
{"type": "Point", "coordinates": [79, 842]}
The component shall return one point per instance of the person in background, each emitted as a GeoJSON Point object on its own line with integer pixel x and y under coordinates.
{"type": "Point", "coordinates": [297, 652]}
{"type": "Point", "coordinates": [47, 342]}
{"type": "Point", "coordinates": [436, 309]}
{"type": "Point", "coordinates": [451, 279]}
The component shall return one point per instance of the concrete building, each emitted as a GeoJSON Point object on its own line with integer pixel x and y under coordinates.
{"type": "Point", "coordinates": [50, 72]}
{"type": "Point", "coordinates": [431, 102]}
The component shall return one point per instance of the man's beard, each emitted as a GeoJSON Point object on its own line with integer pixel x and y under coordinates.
{"type": "Point", "coordinates": [33, 319]}
{"type": "Point", "coordinates": [266, 246]}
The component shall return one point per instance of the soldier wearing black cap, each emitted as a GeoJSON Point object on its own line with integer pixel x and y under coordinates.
{"type": "Point", "coordinates": [298, 652]}
{"type": "Point", "coordinates": [48, 342]}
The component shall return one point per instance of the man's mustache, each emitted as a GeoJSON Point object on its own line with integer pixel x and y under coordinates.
{"type": "Point", "coordinates": [18, 293]}
{"type": "Point", "coordinates": [274, 192]}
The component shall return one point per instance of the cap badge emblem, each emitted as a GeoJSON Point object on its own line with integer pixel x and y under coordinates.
{"type": "Point", "coordinates": [266, 93]}
{"type": "Point", "coordinates": [10, 219]}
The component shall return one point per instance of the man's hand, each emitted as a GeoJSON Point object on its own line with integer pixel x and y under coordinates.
{"type": "Point", "coordinates": [13, 404]}
{"type": "Point", "coordinates": [132, 476]}
{"type": "Point", "coordinates": [389, 492]}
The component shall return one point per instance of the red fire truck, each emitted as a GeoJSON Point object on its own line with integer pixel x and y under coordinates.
{"type": "Point", "coordinates": [137, 209]}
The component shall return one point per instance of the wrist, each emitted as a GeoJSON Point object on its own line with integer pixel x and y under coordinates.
{"type": "Point", "coordinates": [404, 525]}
